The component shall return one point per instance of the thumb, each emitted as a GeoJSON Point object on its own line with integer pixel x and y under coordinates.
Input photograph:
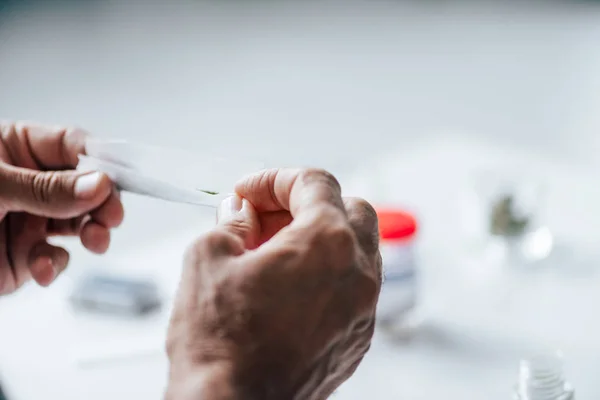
{"type": "Point", "coordinates": [238, 216]}
{"type": "Point", "coordinates": [52, 194]}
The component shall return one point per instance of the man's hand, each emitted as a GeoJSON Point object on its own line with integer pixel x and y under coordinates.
{"type": "Point", "coordinates": [42, 196]}
{"type": "Point", "coordinates": [278, 301]}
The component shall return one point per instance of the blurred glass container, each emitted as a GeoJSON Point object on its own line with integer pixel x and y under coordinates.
{"type": "Point", "coordinates": [542, 378]}
{"type": "Point", "coordinates": [398, 298]}
{"type": "Point", "coordinates": [513, 218]}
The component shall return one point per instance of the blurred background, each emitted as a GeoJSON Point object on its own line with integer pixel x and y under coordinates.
{"type": "Point", "coordinates": [290, 82]}
{"type": "Point", "coordinates": [338, 85]}
{"type": "Point", "coordinates": [307, 83]}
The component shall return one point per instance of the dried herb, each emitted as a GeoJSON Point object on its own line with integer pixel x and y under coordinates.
{"type": "Point", "coordinates": [208, 192]}
{"type": "Point", "coordinates": [504, 221]}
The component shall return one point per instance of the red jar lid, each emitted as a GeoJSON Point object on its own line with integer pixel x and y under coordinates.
{"type": "Point", "coordinates": [396, 225]}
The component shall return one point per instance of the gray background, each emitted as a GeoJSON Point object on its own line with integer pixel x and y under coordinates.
{"type": "Point", "coordinates": [331, 84]}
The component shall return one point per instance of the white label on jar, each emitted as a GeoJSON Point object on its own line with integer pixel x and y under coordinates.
{"type": "Point", "coordinates": [398, 262]}
{"type": "Point", "coordinates": [398, 292]}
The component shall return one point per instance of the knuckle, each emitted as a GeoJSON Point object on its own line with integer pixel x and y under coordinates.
{"type": "Point", "coordinates": [320, 175]}
{"type": "Point", "coordinates": [215, 243]}
{"type": "Point", "coordinates": [266, 180]}
{"type": "Point", "coordinates": [363, 208]}
{"type": "Point", "coordinates": [239, 226]}
{"type": "Point", "coordinates": [363, 219]}
{"type": "Point", "coordinates": [331, 237]}
{"type": "Point", "coordinates": [45, 185]}
{"type": "Point", "coordinates": [340, 237]}
{"type": "Point", "coordinates": [333, 228]}
{"type": "Point", "coordinates": [224, 242]}
{"type": "Point", "coordinates": [194, 250]}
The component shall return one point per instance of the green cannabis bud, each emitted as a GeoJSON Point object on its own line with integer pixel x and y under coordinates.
{"type": "Point", "coordinates": [504, 222]}
{"type": "Point", "coordinates": [208, 192]}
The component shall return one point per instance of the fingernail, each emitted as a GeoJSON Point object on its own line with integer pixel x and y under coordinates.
{"type": "Point", "coordinates": [87, 185]}
{"type": "Point", "coordinates": [229, 207]}
{"type": "Point", "coordinates": [44, 270]}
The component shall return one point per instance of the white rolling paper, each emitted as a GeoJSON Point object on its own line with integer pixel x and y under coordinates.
{"type": "Point", "coordinates": [165, 173]}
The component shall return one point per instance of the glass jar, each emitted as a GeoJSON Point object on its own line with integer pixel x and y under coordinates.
{"type": "Point", "coordinates": [398, 297]}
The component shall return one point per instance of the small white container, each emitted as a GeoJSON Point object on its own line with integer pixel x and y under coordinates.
{"type": "Point", "coordinates": [398, 296]}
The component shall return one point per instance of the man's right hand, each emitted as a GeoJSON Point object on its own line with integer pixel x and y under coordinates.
{"type": "Point", "coordinates": [278, 301]}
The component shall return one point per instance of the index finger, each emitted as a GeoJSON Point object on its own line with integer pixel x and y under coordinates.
{"type": "Point", "coordinates": [293, 190]}
{"type": "Point", "coordinates": [52, 147]}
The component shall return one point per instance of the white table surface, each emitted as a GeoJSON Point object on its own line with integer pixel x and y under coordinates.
{"type": "Point", "coordinates": [479, 318]}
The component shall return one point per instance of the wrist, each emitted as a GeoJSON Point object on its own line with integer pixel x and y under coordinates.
{"type": "Point", "coordinates": [226, 381]}
{"type": "Point", "coordinates": [211, 382]}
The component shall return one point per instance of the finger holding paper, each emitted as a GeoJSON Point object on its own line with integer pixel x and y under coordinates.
{"type": "Point", "coordinates": [166, 173]}
{"type": "Point", "coordinates": [42, 195]}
